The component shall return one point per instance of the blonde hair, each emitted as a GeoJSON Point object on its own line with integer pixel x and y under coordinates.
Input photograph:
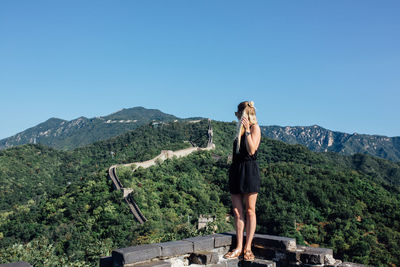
{"type": "Point", "coordinates": [245, 109]}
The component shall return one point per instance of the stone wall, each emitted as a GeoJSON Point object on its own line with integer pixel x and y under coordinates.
{"type": "Point", "coordinates": [271, 251]}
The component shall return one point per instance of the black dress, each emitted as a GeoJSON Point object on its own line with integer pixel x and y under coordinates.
{"type": "Point", "coordinates": [244, 173]}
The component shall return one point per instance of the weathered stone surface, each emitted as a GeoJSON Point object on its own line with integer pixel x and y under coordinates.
{"type": "Point", "coordinates": [106, 261]}
{"type": "Point", "coordinates": [135, 254]}
{"type": "Point", "coordinates": [233, 235]}
{"type": "Point", "coordinates": [294, 256]}
{"type": "Point", "coordinates": [275, 242]}
{"type": "Point", "coordinates": [203, 258]}
{"type": "Point", "coordinates": [221, 240]}
{"type": "Point", "coordinates": [16, 264]}
{"type": "Point", "coordinates": [156, 263]}
{"type": "Point", "coordinates": [232, 263]}
{"type": "Point", "coordinates": [334, 264]}
{"type": "Point", "coordinates": [221, 264]}
{"type": "Point", "coordinates": [326, 251]}
{"type": "Point", "coordinates": [175, 248]}
{"type": "Point", "coordinates": [330, 260]}
{"type": "Point", "coordinates": [263, 252]}
{"type": "Point", "coordinates": [311, 255]}
{"type": "Point", "coordinates": [258, 263]}
{"type": "Point", "coordinates": [201, 243]}
{"type": "Point", "coordinates": [352, 264]}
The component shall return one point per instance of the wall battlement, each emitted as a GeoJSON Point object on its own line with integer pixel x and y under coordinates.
{"type": "Point", "coordinates": [270, 251]}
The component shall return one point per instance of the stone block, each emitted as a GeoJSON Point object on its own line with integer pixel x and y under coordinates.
{"type": "Point", "coordinates": [221, 264]}
{"type": "Point", "coordinates": [16, 264]}
{"type": "Point", "coordinates": [106, 261]}
{"type": "Point", "coordinates": [263, 252]}
{"type": "Point", "coordinates": [134, 254]}
{"type": "Point", "coordinates": [352, 264]}
{"type": "Point", "coordinates": [293, 256]}
{"type": "Point", "coordinates": [258, 263]}
{"type": "Point", "coordinates": [232, 263]}
{"type": "Point", "coordinates": [175, 248]}
{"type": "Point", "coordinates": [222, 240]}
{"type": "Point", "coordinates": [326, 251]}
{"type": "Point", "coordinates": [311, 255]}
{"type": "Point", "coordinates": [233, 235]}
{"type": "Point", "coordinates": [334, 264]}
{"type": "Point", "coordinates": [203, 258]}
{"type": "Point", "coordinates": [156, 263]}
{"type": "Point", "coordinates": [275, 242]}
{"type": "Point", "coordinates": [201, 243]}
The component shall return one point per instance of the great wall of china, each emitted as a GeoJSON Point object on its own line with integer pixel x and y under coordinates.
{"type": "Point", "coordinates": [165, 154]}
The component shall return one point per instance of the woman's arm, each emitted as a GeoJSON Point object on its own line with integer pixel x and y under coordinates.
{"type": "Point", "coordinates": [253, 140]}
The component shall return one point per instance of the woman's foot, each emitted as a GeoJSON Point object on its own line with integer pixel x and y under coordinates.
{"type": "Point", "coordinates": [236, 253]}
{"type": "Point", "coordinates": [248, 255]}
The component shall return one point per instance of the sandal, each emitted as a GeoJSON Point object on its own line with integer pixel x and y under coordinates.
{"type": "Point", "coordinates": [233, 254]}
{"type": "Point", "coordinates": [248, 255]}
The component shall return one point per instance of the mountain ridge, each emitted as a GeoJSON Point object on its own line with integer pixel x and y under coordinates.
{"type": "Point", "coordinates": [320, 139]}
{"type": "Point", "coordinates": [68, 135]}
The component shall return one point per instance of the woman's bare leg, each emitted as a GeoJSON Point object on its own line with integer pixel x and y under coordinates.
{"type": "Point", "coordinates": [237, 203]}
{"type": "Point", "coordinates": [251, 222]}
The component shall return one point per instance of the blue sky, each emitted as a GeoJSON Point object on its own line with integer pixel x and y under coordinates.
{"type": "Point", "coordinates": [331, 63]}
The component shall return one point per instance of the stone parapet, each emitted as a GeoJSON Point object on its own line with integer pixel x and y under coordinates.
{"type": "Point", "coordinates": [271, 251]}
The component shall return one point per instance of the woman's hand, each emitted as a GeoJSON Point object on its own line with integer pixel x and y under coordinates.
{"type": "Point", "coordinates": [246, 124]}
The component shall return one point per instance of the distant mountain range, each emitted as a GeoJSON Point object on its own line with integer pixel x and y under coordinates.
{"type": "Point", "coordinates": [67, 135]}
{"type": "Point", "coordinates": [320, 139]}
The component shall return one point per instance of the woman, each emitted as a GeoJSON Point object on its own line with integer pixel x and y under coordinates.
{"type": "Point", "coordinates": [244, 179]}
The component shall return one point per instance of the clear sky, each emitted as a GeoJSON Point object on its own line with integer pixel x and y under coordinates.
{"type": "Point", "coordinates": [331, 63]}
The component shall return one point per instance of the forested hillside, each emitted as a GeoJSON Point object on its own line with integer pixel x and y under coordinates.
{"type": "Point", "coordinates": [67, 135]}
{"type": "Point", "coordinates": [348, 203]}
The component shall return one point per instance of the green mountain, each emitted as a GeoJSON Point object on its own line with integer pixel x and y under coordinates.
{"type": "Point", "coordinates": [348, 203]}
{"type": "Point", "coordinates": [320, 139]}
{"type": "Point", "coordinates": [67, 135]}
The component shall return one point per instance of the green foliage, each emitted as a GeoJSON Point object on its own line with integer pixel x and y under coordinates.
{"type": "Point", "coordinates": [61, 208]}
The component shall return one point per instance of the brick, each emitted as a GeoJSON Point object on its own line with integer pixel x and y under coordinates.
{"type": "Point", "coordinates": [275, 242]}
{"type": "Point", "coordinates": [175, 248]}
{"type": "Point", "coordinates": [203, 258]}
{"type": "Point", "coordinates": [201, 243]}
{"type": "Point", "coordinates": [222, 240]}
{"type": "Point", "coordinates": [106, 261]}
{"type": "Point", "coordinates": [135, 254]}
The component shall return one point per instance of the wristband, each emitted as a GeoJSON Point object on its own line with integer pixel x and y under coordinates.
{"type": "Point", "coordinates": [247, 133]}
